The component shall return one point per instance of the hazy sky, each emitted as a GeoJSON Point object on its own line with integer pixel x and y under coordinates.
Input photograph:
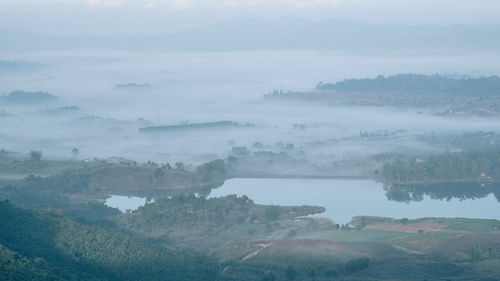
{"type": "Point", "coordinates": [103, 17]}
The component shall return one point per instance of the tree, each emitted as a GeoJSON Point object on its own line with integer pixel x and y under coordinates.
{"type": "Point", "coordinates": [331, 274]}
{"type": "Point", "coordinates": [311, 273]}
{"type": "Point", "coordinates": [158, 173]}
{"type": "Point", "coordinates": [269, 276]}
{"type": "Point", "coordinates": [231, 160]}
{"type": "Point", "coordinates": [240, 151]}
{"type": "Point", "coordinates": [211, 170]}
{"type": "Point", "coordinates": [179, 166]}
{"type": "Point", "coordinates": [35, 155]}
{"type": "Point", "coordinates": [75, 152]}
{"type": "Point", "coordinates": [291, 272]}
{"type": "Point", "coordinates": [151, 164]}
{"type": "Point", "coordinates": [475, 254]}
{"type": "Point", "coordinates": [357, 264]}
{"type": "Point", "coordinates": [272, 213]}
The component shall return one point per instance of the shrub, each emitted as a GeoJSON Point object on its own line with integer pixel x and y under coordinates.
{"type": "Point", "coordinates": [357, 264]}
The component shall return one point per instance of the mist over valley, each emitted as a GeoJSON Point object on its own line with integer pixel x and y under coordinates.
{"type": "Point", "coordinates": [249, 140]}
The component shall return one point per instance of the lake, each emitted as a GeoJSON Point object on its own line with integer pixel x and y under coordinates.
{"type": "Point", "coordinates": [344, 199]}
{"type": "Point", "coordinates": [124, 203]}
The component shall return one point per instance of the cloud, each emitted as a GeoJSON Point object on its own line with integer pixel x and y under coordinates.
{"type": "Point", "coordinates": [229, 4]}
{"type": "Point", "coordinates": [182, 5]}
{"type": "Point", "coordinates": [254, 4]}
{"type": "Point", "coordinates": [150, 5]}
{"type": "Point", "coordinates": [303, 4]}
{"type": "Point", "coordinates": [104, 3]}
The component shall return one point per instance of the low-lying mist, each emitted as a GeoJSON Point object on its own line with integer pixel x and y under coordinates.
{"type": "Point", "coordinates": [105, 97]}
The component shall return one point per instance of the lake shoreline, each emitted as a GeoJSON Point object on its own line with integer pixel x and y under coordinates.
{"type": "Point", "coordinates": [312, 177]}
{"type": "Point", "coordinates": [346, 197]}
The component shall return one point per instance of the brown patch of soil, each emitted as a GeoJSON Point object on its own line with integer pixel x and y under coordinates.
{"type": "Point", "coordinates": [410, 228]}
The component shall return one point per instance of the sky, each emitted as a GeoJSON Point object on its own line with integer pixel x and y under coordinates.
{"type": "Point", "coordinates": [147, 17]}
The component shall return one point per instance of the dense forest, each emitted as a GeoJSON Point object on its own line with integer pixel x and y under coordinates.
{"type": "Point", "coordinates": [418, 84]}
{"type": "Point", "coordinates": [189, 237]}
{"type": "Point", "coordinates": [64, 183]}
{"type": "Point", "coordinates": [183, 234]}
{"type": "Point", "coordinates": [45, 245]}
{"type": "Point", "coordinates": [444, 95]}
{"type": "Point", "coordinates": [441, 191]}
{"type": "Point", "coordinates": [193, 126]}
{"type": "Point", "coordinates": [203, 224]}
{"type": "Point", "coordinates": [23, 97]}
{"type": "Point", "coordinates": [473, 166]}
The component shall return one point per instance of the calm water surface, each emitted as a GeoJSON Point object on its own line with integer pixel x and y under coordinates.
{"type": "Point", "coordinates": [344, 199]}
{"type": "Point", "coordinates": [124, 203]}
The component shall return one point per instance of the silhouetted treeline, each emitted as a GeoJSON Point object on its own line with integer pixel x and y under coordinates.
{"type": "Point", "coordinates": [193, 126]}
{"type": "Point", "coordinates": [418, 84]}
{"type": "Point", "coordinates": [27, 97]}
{"type": "Point", "coordinates": [462, 166]}
{"type": "Point", "coordinates": [441, 191]}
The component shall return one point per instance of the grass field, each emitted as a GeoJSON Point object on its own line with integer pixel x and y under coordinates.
{"type": "Point", "coordinates": [407, 236]}
{"type": "Point", "coordinates": [472, 225]}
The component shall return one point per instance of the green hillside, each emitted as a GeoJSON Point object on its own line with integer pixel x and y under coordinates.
{"type": "Point", "coordinates": [47, 246]}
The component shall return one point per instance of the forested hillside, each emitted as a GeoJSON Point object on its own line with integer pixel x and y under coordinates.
{"type": "Point", "coordinates": [418, 84]}
{"type": "Point", "coordinates": [201, 224]}
{"type": "Point", "coordinates": [45, 245]}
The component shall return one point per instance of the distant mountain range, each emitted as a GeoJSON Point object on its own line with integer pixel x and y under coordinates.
{"type": "Point", "coordinates": [284, 34]}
